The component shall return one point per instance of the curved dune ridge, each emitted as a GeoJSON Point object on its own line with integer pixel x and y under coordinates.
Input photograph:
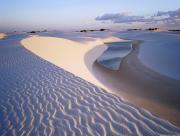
{"type": "Point", "coordinates": [2, 35]}
{"type": "Point", "coordinates": [69, 54]}
{"type": "Point", "coordinates": [39, 98]}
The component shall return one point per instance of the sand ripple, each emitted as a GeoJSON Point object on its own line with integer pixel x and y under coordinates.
{"type": "Point", "coordinates": [38, 98]}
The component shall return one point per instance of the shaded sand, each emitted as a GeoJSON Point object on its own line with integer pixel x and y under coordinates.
{"type": "Point", "coordinates": [142, 86]}
{"type": "Point", "coordinates": [112, 39]}
{"type": "Point", "coordinates": [69, 54]}
{"type": "Point", "coordinates": [39, 98]}
{"type": "Point", "coordinates": [2, 35]}
{"type": "Point", "coordinates": [79, 58]}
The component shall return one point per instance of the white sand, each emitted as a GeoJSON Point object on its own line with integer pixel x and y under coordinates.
{"type": "Point", "coordinates": [51, 101]}
{"type": "Point", "coordinates": [112, 39]}
{"type": "Point", "coordinates": [2, 35]}
{"type": "Point", "coordinates": [69, 54]}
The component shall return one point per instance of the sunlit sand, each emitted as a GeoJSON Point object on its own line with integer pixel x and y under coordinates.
{"type": "Point", "coordinates": [69, 54]}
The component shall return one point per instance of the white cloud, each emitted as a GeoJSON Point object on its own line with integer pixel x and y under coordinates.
{"type": "Point", "coordinates": [168, 18]}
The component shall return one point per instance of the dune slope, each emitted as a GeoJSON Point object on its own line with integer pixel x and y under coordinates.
{"type": "Point", "coordinates": [43, 99]}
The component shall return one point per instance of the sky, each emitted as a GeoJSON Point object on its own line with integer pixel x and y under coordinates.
{"type": "Point", "coordinates": [87, 14]}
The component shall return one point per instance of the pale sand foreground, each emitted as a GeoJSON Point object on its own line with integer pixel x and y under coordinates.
{"type": "Point", "coordinates": [69, 54]}
{"type": "Point", "coordinates": [74, 105]}
{"type": "Point", "coordinates": [78, 58]}
{"type": "Point", "coordinates": [2, 35]}
{"type": "Point", "coordinates": [39, 98]}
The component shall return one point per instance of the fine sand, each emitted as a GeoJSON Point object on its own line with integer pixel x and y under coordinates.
{"type": "Point", "coordinates": [39, 98]}
{"type": "Point", "coordinates": [69, 54]}
{"type": "Point", "coordinates": [142, 86]}
{"type": "Point", "coordinates": [78, 58]}
{"type": "Point", "coordinates": [2, 35]}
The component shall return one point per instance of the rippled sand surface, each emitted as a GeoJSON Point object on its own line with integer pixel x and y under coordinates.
{"type": "Point", "coordinates": [38, 98]}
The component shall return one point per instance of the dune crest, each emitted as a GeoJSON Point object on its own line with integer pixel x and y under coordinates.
{"type": "Point", "coordinates": [69, 54]}
{"type": "Point", "coordinates": [52, 101]}
{"type": "Point", "coordinates": [113, 39]}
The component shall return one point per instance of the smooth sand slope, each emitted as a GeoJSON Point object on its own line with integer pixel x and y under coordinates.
{"type": "Point", "coordinates": [69, 54]}
{"type": "Point", "coordinates": [52, 101]}
{"type": "Point", "coordinates": [2, 35]}
{"type": "Point", "coordinates": [78, 58]}
{"type": "Point", "coordinates": [39, 98]}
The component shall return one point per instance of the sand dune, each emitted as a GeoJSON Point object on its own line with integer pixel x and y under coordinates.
{"type": "Point", "coordinates": [150, 92]}
{"type": "Point", "coordinates": [69, 54]}
{"type": "Point", "coordinates": [39, 98]}
{"type": "Point", "coordinates": [53, 101]}
{"type": "Point", "coordinates": [112, 39]}
{"type": "Point", "coordinates": [2, 35]}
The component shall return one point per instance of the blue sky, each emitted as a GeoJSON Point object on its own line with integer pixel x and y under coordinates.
{"type": "Point", "coordinates": [75, 14]}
